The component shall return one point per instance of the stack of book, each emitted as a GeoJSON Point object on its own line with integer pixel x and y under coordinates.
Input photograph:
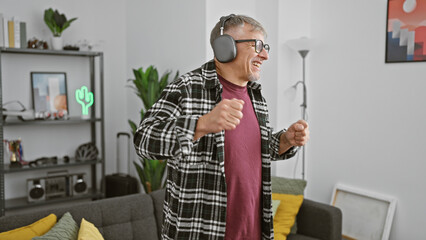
{"type": "Point", "coordinates": [13, 33]}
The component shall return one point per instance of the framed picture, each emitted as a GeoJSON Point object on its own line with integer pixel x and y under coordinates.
{"type": "Point", "coordinates": [49, 90]}
{"type": "Point", "coordinates": [366, 215]}
{"type": "Point", "coordinates": [406, 31]}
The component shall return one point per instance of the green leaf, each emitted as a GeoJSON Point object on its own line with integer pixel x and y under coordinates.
{"type": "Point", "coordinates": [142, 114]}
{"type": "Point", "coordinates": [164, 81]}
{"type": "Point", "coordinates": [147, 73]}
{"type": "Point", "coordinates": [158, 174]}
{"type": "Point", "coordinates": [141, 175]}
{"type": "Point", "coordinates": [133, 126]}
{"type": "Point", "coordinates": [138, 75]}
{"type": "Point", "coordinates": [68, 23]}
{"type": "Point", "coordinates": [48, 19]}
{"type": "Point", "coordinates": [151, 89]}
{"type": "Point", "coordinates": [59, 19]}
{"type": "Point", "coordinates": [176, 76]}
{"type": "Point", "coordinates": [147, 170]}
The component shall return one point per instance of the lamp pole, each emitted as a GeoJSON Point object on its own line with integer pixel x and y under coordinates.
{"type": "Point", "coordinates": [304, 105]}
{"type": "Point", "coordinates": [302, 46]}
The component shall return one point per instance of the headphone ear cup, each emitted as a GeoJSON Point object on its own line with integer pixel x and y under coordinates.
{"type": "Point", "coordinates": [224, 48]}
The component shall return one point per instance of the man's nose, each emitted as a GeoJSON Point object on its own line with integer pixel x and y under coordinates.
{"type": "Point", "coordinates": [264, 54]}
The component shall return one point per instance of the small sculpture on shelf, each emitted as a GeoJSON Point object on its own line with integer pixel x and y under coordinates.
{"type": "Point", "coordinates": [14, 152]}
{"type": "Point", "coordinates": [34, 43]}
{"type": "Point", "coordinates": [44, 161]}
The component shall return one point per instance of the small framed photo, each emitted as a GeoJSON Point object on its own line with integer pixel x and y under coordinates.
{"type": "Point", "coordinates": [366, 215]}
{"type": "Point", "coordinates": [49, 91]}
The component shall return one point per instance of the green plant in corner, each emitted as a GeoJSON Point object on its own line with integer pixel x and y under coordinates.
{"type": "Point", "coordinates": [56, 22]}
{"type": "Point", "coordinates": [148, 87]}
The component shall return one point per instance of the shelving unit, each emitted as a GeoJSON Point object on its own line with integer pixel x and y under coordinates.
{"type": "Point", "coordinates": [95, 120]}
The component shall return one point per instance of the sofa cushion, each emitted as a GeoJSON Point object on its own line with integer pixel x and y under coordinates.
{"type": "Point", "coordinates": [287, 210]}
{"type": "Point", "coordinates": [88, 231]}
{"type": "Point", "coordinates": [35, 229]}
{"type": "Point", "coordinates": [275, 205]}
{"type": "Point", "coordinates": [65, 229]}
{"type": "Point", "coordinates": [288, 186]}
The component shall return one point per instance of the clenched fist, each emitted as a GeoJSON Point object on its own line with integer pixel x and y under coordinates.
{"type": "Point", "coordinates": [296, 135]}
{"type": "Point", "coordinates": [225, 116]}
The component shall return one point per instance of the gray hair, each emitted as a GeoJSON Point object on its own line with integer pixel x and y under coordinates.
{"type": "Point", "coordinates": [236, 21]}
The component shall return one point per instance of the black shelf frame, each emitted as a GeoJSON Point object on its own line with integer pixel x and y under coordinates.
{"type": "Point", "coordinates": [95, 192]}
{"type": "Point", "coordinates": [72, 120]}
{"type": "Point", "coordinates": [22, 202]}
{"type": "Point", "coordinates": [60, 164]}
{"type": "Point", "coordinates": [50, 52]}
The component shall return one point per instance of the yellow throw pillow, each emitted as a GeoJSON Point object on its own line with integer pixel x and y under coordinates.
{"type": "Point", "coordinates": [286, 213]}
{"type": "Point", "coordinates": [88, 231]}
{"type": "Point", "coordinates": [35, 229]}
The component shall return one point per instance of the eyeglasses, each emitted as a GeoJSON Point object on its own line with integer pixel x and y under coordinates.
{"type": "Point", "coordinates": [259, 45]}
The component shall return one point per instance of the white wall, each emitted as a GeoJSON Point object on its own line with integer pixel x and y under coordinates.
{"type": "Point", "coordinates": [367, 117]}
{"type": "Point", "coordinates": [166, 34]}
{"type": "Point", "coordinates": [293, 22]}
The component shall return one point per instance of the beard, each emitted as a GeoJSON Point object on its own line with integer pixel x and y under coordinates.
{"type": "Point", "coordinates": [253, 78]}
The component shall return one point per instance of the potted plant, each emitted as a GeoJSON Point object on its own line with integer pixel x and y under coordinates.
{"type": "Point", "coordinates": [148, 87]}
{"type": "Point", "coordinates": [57, 23]}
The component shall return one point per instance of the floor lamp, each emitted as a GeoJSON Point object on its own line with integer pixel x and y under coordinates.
{"type": "Point", "coordinates": [302, 46]}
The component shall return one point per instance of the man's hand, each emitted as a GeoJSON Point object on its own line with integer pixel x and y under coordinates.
{"type": "Point", "coordinates": [225, 116]}
{"type": "Point", "coordinates": [296, 135]}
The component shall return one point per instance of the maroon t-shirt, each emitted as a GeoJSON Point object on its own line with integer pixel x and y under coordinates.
{"type": "Point", "coordinates": [243, 170]}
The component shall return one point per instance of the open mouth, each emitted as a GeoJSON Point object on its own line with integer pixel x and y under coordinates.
{"type": "Point", "coordinates": [257, 65]}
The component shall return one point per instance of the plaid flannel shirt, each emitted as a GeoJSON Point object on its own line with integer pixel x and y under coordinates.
{"type": "Point", "coordinates": [195, 202]}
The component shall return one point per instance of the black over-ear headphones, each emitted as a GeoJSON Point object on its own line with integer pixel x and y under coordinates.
{"type": "Point", "coordinates": [224, 46]}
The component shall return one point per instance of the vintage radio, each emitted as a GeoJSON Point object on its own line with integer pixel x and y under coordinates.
{"type": "Point", "coordinates": [56, 185]}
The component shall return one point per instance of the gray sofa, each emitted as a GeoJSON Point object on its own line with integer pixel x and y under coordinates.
{"type": "Point", "coordinates": [139, 216]}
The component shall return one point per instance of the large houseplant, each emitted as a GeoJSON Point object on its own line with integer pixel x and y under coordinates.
{"type": "Point", "coordinates": [148, 87]}
{"type": "Point", "coordinates": [57, 23]}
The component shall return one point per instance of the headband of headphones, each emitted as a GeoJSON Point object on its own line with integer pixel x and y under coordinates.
{"type": "Point", "coordinates": [224, 46]}
{"type": "Point", "coordinates": [223, 20]}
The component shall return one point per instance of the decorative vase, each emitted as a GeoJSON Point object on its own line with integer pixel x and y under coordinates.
{"type": "Point", "coordinates": [57, 43]}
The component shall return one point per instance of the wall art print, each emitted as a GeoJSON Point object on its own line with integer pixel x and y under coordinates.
{"type": "Point", "coordinates": [49, 95]}
{"type": "Point", "coordinates": [406, 31]}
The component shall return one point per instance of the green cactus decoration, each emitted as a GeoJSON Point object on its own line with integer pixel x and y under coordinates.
{"type": "Point", "coordinates": [85, 99]}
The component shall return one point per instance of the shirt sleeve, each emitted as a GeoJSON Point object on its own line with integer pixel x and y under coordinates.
{"type": "Point", "coordinates": [165, 132]}
{"type": "Point", "coordinates": [275, 147]}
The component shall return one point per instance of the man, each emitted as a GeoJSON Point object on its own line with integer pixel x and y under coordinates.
{"type": "Point", "coordinates": [212, 126]}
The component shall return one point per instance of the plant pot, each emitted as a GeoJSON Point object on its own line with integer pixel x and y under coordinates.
{"type": "Point", "coordinates": [57, 43]}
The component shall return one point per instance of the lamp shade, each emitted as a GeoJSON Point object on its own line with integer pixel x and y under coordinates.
{"type": "Point", "coordinates": [300, 44]}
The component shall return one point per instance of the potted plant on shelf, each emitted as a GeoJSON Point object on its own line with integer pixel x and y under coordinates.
{"type": "Point", "coordinates": [148, 87]}
{"type": "Point", "coordinates": [57, 23]}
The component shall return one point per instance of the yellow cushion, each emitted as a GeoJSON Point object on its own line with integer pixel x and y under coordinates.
{"type": "Point", "coordinates": [286, 213]}
{"type": "Point", "coordinates": [35, 229]}
{"type": "Point", "coordinates": [88, 231]}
